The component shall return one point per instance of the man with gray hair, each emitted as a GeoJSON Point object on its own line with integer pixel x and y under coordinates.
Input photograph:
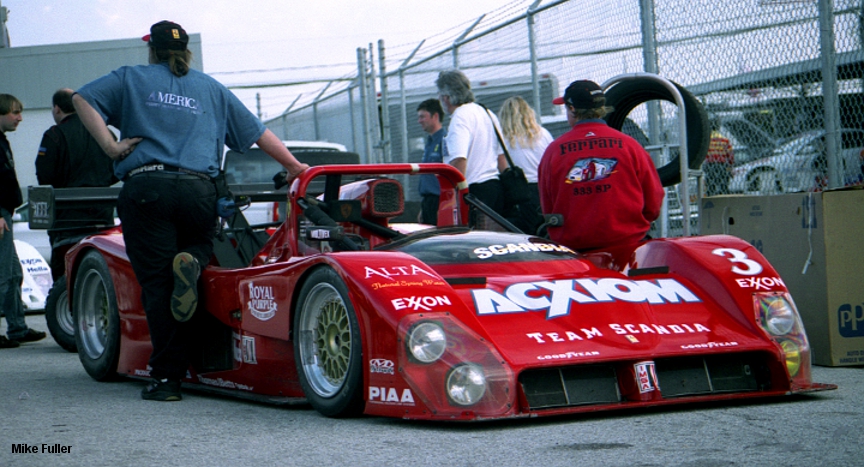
{"type": "Point", "coordinates": [472, 145]}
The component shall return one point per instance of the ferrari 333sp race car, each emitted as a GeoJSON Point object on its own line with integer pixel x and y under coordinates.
{"type": "Point", "coordinates": [344, 308]}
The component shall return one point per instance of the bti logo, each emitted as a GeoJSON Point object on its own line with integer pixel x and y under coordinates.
{"type": "Point", "coordinates": [851, 320]}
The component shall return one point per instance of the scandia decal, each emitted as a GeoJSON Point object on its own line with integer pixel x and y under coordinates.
{"type": "Point", "coordinates": [555, 297]}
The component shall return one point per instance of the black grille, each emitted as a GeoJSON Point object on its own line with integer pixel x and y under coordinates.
{"type": "Point", "coordinates": [563, 387]}
{"type": "Point", "coordinates": [387, 199]}
{"type": "Point", "coordinates": [710, 375]}
{"type": "Point", "coordinates": [677, 377]}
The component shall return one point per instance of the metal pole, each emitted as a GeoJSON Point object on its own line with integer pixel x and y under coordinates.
{"type": "Point", "coordinates": [649, 57]}
{"type": "Point", "coordinates": [315, 110]}
{"type": "Point", "coordinates": [404, 98]}
{"type": "Point", "coordinates": [258, 104]}
{"type": "Point", "coordinates": [462, 37]}
{"type": "Point", "coordinates": [361, 74]}
{"type": "Point", "coordinates": [830, 99]}
{"type": "Point", "coordinates": [385, 105]}
{"type": "Point", "coordinates": [372, 108]}
{"type": "Point", "coordinates": [351, 115]}
{"type": "Point", "coordinates": [532, 48]}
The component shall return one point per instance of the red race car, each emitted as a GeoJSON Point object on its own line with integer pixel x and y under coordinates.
{"type": "Point", "coordinates": [355, 313]}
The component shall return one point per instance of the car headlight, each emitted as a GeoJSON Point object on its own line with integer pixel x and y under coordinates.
{"type": "Point", "coordinates": [777, 315]}
{"type": "Point", "coordinates": [466, 384]}
{"type": "Point", "coordinates": [427, 342]}
{"type": "Point", "coordinates": [793, 356]}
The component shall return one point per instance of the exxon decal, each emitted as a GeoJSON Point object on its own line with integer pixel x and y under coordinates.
{"type": "Point", "coordinates": [555, 297]}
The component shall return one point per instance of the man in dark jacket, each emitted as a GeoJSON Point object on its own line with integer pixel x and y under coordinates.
{"type": "Point", "coordinates": [11, 275]}
{"type": "Point", "coordinates": [70, 157]}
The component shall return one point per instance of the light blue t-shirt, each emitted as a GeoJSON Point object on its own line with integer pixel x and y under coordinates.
{"type": "Point", "coordinates": [185, 120]}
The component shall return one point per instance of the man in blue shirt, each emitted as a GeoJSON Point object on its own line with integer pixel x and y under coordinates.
{"type": "Point", "coordinates": [429, 116]}
{"type": "Point", "coordinates": [174, 122]}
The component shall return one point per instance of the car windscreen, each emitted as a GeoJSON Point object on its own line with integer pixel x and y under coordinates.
{"type": "Point", "coordinates": [255, 166]}
{"type": "Point", "coordinates": [451, 246]}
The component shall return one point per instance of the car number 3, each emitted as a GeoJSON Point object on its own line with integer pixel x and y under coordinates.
{"type": "Point", "coordinates": [748, 266]}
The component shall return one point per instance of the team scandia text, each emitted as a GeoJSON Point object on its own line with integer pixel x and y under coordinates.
{"type": "Point", "coordinates": [41, 449]}
{"type": "Point", "coordinates": [590, 144]}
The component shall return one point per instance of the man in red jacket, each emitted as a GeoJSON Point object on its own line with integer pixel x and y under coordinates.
{"type": "Point", "coordinates": [601, 180]}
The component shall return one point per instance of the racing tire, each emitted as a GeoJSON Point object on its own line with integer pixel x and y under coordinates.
{"type": "Point", "coordinates": [328, 347]}
{"type": "Point", "coordinates": [97, 322]}
{"type": "Point", "coordinates": [626, 95]}
{"type": "Point", "coordinates": [58, 315]}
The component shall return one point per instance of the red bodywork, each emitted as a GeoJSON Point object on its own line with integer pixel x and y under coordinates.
{"type": "Point", "coordinates": [669, 321]}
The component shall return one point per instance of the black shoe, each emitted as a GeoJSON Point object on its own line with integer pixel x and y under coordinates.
{"type": "Point", "coordinates": [184, 300]}
{"type": "Point", "coordinates": [162, 390]}
{"type": "Point", "coordinates": [31, 336]}
{"type": "Point", "coordinates": [8, 344]}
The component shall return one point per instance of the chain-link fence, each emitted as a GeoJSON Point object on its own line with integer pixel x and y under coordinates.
{"type": "Point", "coordinates": [781, 79]}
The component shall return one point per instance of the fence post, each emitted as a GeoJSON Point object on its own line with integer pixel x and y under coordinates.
{"type": "Point", "coordinates": [830, 99]}
{"type": "Point", "coordinates": [315, 110]}
{"type": "Point", "coordinates": [404, 100]}
{"type": "Point", "coordinates": [532, 48]}
{"type": "Point", "coordinates": [361, 74]}
{"type": "Point", "coordinates": [462, 37]}
{"type": "Point", "coordinates": [385, 105]}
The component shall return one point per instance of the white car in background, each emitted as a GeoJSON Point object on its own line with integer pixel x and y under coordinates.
{"type": "Point", "coordinates": [800, 165]}
{"type": "Point", "coordinates": [33, 249]}
{"type": "Point", "coordinates": [254, 166]}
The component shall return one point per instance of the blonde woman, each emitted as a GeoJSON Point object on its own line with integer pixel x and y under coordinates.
{"type": "Point", "coordinates": [526, 141]}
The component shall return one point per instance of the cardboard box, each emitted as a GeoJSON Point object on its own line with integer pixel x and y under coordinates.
{"type": "Point", "coordinates": [815, 241]}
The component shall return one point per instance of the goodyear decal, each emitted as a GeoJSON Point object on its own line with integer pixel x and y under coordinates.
{"type": "Point", "coordinates": [555, 297]}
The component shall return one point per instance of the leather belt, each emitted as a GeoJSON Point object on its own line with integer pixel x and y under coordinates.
{"type": "Point", "coordinates": [151, 168]}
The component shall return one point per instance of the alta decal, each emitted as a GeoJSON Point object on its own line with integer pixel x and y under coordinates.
{"type": "Point", "coordinates": [382, 366]}
{"type": "Point", "coordinates": [418, 303]}
{"type": "Point", "coordinates": [646, 376]}
{"type": "Point", "coordinates": [395, 271]}
{"type": "Point", "coordinates": [390, 396]}
{"type": "Point", "coordinates": [511, 248]}
{"type": "Point", "coordinates": [555, 297]}
{"type": "Point", "coordinates": [261, 302]}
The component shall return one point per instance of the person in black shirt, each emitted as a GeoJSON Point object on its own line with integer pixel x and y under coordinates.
{"type": "Point", "coordinates": [70, 157]}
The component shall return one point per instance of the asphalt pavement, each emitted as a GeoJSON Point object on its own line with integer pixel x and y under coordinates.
{"type": "Point", "coordinates": [50, 405]}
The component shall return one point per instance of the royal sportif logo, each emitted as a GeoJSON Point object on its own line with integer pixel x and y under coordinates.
{"type": "Point", "coordinates": [591, 169]}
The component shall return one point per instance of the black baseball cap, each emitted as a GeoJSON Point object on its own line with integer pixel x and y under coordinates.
{"type": "Point", "coordinates": [582, 94]}
{"type": "Point", "coordinates": [167, 35]}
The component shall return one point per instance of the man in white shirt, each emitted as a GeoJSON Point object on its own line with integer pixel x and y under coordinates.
{"type": "Point", "coordinates": [472, 145]}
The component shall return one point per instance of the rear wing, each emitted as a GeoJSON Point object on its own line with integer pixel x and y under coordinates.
{"type": "Point", "coordinates": [44, 201]}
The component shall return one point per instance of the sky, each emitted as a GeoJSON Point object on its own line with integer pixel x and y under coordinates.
{"type": "Point", "coordinates": [249, 35]}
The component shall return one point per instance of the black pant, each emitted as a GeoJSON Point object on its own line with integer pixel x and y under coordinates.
{"type": "Point", "coordinates": [429, 209]}
{"type": "Point", "coordinates": [490, 193]}
{"type": "Point", "coordinates": [528, 215]}
{"type": "Point", "coordinates": [717, 176]}
{"type": "Point", "coordinates": [163, 214]}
